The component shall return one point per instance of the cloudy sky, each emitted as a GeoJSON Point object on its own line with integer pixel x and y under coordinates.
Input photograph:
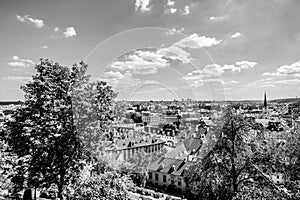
{"type": "Point", "coordinates": [158, 49]}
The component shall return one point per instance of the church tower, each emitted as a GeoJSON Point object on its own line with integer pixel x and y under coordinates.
{"type": "Point", "coordinates": [265, 101]}
{"type": "Point", "coordinates": [265, 108]}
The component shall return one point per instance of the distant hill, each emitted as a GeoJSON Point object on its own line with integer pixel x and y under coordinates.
{"type": "Point", "coordinates": [287, 100]}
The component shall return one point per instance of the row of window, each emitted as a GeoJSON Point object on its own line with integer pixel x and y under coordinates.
{"type": "Point", "coordinates": [147, 149]}
{"type": "Point", "coordinates": [165, 179]}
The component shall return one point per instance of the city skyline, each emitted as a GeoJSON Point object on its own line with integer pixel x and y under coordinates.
{"type": "Point", "coordinates": [155, 50]}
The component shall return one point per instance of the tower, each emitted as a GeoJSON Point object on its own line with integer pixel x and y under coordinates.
{"type": "Point", "coordinates": [265, 101]}
{"type": "Point", "coordinates": [265, 109]}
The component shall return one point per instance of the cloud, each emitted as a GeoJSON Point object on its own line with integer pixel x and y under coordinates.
{"type": "Point", "coordinates": [209, 74]}
{"type": "Point", "coordinates": [18, 78]}
{"type": "Point", "coordinates": [212, 74]}
{"type": "Point", "coordinates": [286, 70]}
{"type": "Point", "coordinates": [70, 32]}
{"type": "Point", "coordinates": [44, 47]}
{"type": "Point", "coordinates": [174, 31]}
{"type": "Point", "coordinates": [175, 53]}
{"type": "Point", "coordinates": [142, 5]}
{"type": "Point", "coordinates": [37, 22]}
{"type": "Point", "coordinates": [172, 10]}
{"type": "Point", "coordinates": [274, 82]}
{"type": "Point", "coordinates": [218, 18]}
{"type": "Point", "coordinates": [20, 62]}
{"type": "Point", "coordinates": [231, 67]}
{"type": "Point", "coordinates": [142, 62]}
{"type": "Point", "coordinates": [56, 29]}
{"type": "Point", "coordinates": [194, 41]}
{"type": "Point", "coordinates": [171, 3]}
{"type": "Point", "coordinates": [146, 82]}
{"type": "Point", "coordinates": [186, 10]}
{"type": "Point", "coordinates": [121, 82]}
{"type": "Point", "coordinates": [237, 34]}
{"type": "Point", "coordinates": [245, 64]}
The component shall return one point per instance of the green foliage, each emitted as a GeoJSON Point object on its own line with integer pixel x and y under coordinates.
{"type": "Point", "coordinates": [108, 186]}
{"type": "Point", "coordinates": [7, 163]}
{"type": "Point", "coordinates": [227, 167]}
{"type": "Point", "coordinates": [42, 132]}
{"type": "Point", "coordinates": [239, 165]}
{"type": "Point", "coordinates": [92, 107]}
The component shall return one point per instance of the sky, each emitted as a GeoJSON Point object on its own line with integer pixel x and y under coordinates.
{"type": "Point", "coordinates": [158, 49]}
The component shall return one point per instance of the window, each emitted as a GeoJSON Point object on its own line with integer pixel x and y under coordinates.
{"type": "Point", "coordinates": [164, 178]}
{"type": "Point", "coordinates": [150, 175]}
{"type": "Point", "coordinates": [156, 177]}
{"type": "Point", "coordinates": [179, 181]}
{"type": "Point", "coordinates": [172, 180]}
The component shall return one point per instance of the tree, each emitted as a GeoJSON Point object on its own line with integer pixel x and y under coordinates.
{"type": "Point", "coordinates": [227, 167]}
{"type": "Point", "coordinates": [42, 132]}
{"type": "Point", "coordinates": [107, 186]}
{"type": "Point", "coordinates": [93, 104]}
{"type": "Point", "coordinates": [139, 163]}
{"type": "Point", "coordinates": [7, 162]}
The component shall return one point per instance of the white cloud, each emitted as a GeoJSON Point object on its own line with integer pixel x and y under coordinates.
{"type": "Point", "coordinates": [245, 64]}
{"type": "Point", "coordinates": [112, 78]}
{"type": "Point", "coordinates": [142, 5]}
{"type": "Point", "coordinates": [230, 82]}
{"type": "Point", "coordinates": [141, 62]}
{"type": "Point", "coordinates": [286, 70]}
{"type": "Point", "coordinates": [194, 41]}
{"type": "Point", "coordinates": [148, 82]}
{"type": "Point", "coordinates": [173, 10]}
{"type": "Point", "coordinates": [21, 19]}
{"type": "Point", "coordinates": [17, 64]}
{"type": "Point", "coordinates": [211, 74]}
{"type": "Point", "coordinates": [186, 10]}
{"type": "Point", "coordinates": [44, 47]}
{"type": "Point", "coordinates": [20, 62]}
{"type": "Point", "coordinates": [56, 29]}
{"type": "Point", "coordinates": [175, 53]}
{"type": "Point", "coordinates": [120, 82]}
{"type": "Point", "coordinates": [174, 31]}
{"type": "Point", "coordinates": [171, 3]}
{"type": "Point", "coordinates": [237, 34]}
{"type": "Point", "coordinates": [37, 22]}
{"type": "Point", "coordinates": [274, 82]}
{"type": "Point", "coordinates": [218, 18]}
{"type": "Point", "coordinates": [70, 32]}
{"type": "Point", "coordinates": [17, 78]}
{"type": "Point", "coordinates": [231, 67]}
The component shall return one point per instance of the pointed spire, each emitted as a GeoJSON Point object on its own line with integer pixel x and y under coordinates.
{"type": "Point", "coordinates": [265, 100]}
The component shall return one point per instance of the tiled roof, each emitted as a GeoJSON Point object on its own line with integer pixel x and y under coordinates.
{"type": "Point", "coordinates": [169, 166]}
{"type": "Point", "coordinates": [179, 152]}
{"type": "Point", "coordinates": [160, 163]}
{"type": "Point", "coordinates": [192, 144]}
{"type": "Point", "coordinates": [134, 142]}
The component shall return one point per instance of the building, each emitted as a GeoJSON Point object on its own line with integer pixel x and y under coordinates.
{"type": "Point", "coordinates": [153, 118]}
{"type": "Point", "coordinates": [125, 149]}
{"type": "Point", "coordinates": [167, 174]}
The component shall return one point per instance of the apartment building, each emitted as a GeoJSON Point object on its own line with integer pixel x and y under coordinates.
{"type": "Point", "coordinates": [124, 149]}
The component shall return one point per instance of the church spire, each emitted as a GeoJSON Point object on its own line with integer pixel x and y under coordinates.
{"type": "Point", "coordinates": [265, 100]}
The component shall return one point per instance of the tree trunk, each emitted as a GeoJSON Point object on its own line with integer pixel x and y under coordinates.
{"type": "Point", "coordinates": [61, 185]}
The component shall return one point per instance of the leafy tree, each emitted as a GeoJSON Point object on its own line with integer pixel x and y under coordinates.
{"type": "Point", "coordinates": [227, 167]}
{"type": "Point", "coordinates": [139, 165]}
{"type": "Point", "coordinates": [93, 104]}
{"type": "Point", "coordinates": [42, 132]}
{"type": "Point", "coordinates": [7, 162]}
{"type": "Point", "coordinates": [107, 186]}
